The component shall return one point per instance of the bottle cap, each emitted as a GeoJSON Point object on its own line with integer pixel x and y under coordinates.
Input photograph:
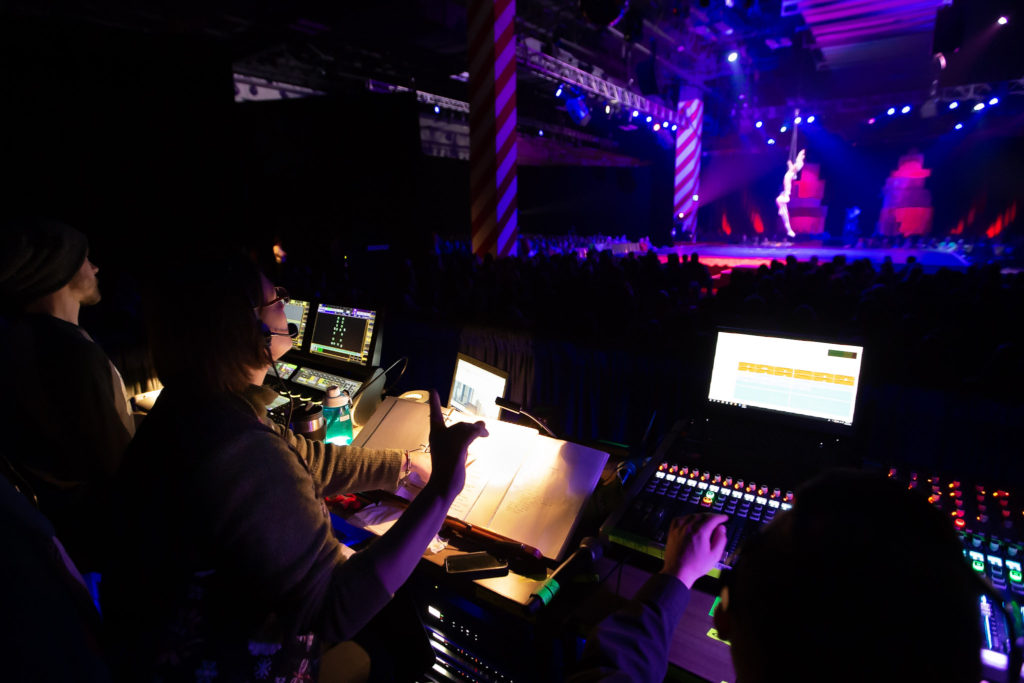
{"type": "Point", "coordinates": [334, 399]}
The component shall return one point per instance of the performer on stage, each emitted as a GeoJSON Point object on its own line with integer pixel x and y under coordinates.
{"type": "Point", "coordinates": [782, 201]}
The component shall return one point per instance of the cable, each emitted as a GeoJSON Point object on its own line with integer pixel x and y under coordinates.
{"type": "Point", "coordinates": [384, 374]}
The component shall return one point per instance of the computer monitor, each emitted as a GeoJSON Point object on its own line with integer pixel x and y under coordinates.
{"type": "Point", "coordinates": [297, 312]}
{"type": "Point", "coordinates": [475, 385]}
{"type": "Point", "coordinates": [798, 377]}
{"type": "Point", "coordinates": [343, 333]}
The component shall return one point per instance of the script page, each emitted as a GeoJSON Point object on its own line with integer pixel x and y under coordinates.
{"type": "Point", "coordinates": [519, 484]}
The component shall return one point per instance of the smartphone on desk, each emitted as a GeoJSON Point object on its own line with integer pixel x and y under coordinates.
{"type": "Point", "coordinates": [480, 565]}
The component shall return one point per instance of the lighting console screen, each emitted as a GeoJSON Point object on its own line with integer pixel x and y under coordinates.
{"type": "Point", "coordinates": [296, 312]}
{"type": "Point", "coordinates": [343, 333]}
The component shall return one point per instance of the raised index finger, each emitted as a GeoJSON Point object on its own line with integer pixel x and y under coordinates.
{"type": "Point", "coordinates": [436, 416]}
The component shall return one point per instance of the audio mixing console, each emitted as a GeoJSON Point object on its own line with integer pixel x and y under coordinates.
{"type": "Point", "coordinates": [988, 520]}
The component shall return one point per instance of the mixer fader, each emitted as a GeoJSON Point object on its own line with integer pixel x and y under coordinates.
{"type": "Point", "coordinates": [672, 489]}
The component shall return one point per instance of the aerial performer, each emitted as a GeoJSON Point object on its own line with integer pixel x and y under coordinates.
{"type": "Point", "coordinates": [794, 164]}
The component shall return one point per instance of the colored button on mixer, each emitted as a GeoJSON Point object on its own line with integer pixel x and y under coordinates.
{"type": "Point", "coordinates": [978, 565]}
{"type": "Point", "coordinates": [1015, 576]}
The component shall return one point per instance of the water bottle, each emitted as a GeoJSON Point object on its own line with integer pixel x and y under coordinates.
{"type": "Point", "coordinates": [338, 413]}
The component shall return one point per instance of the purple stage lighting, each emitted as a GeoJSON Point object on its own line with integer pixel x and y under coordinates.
{"type": "Point", "coordinates": [771, 141]}
{"type": "Point", "coordinates": [635, 113]}
{"type": "Point", "coordinates": [733, 56]}
{"type": "Point", "coordinates": [783, 129]}
{"type": "Point", "coordinates": [891, 111]}
{"type": "Point", "coordinates": [649, 119]}
{"type": "Point", "coordinates": [810, 119]}
{"type": "Point", "coordinates": [674, 127]}
{"type": "Point", "coordinates": [993, 102]}
{"type": "Point", "coordinates": [959, 126]}
{"type": "Point", "coordinates": [798, 120]}
{"type": "Point", "coordinates": [437, 109]}
{"type": "Point", "coordinates": [1002, 21]}
{"type": "Point", "coordinates": [905, 110]}
{"type": "Point", "coordinates": [758, 124]}
{"type": "Point", "coordinates": [954, 104]}
{"type": "Point", "coordinates": [979, 106]}
{"type": "Point", "coordinates": [871, 121]}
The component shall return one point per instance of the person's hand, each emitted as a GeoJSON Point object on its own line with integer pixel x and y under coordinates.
{"type": "Point", "coordinates": [694, 545]}
{"type": "Point", "coordinates": [448, 446]}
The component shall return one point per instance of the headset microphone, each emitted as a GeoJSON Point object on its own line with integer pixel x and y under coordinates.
{"type": "Point", "coordinates": [293, 332]}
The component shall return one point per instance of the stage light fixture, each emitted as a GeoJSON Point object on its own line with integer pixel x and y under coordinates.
{"type": "Point", "coordinates": [871, 121]}
{"type": "Point", "coordinates": [979, 106]}
{"type": "Point", "coordinates": [906, 109]}
{"type": "Point", "coordinates": [993, 102]}
{"type": "Point", "coordinates": [959, 126]}
{"type": "Point", "coordinates": [607, 109]}
{"type": "Point", "coordinates": [578, 110]}
{"type": "Point", "coordinates": [771, 141]}
{"type": "Point", "coordinates": [664, 124]}
{"type": "Point", "coordinates": [783, 129]}
{"type": "Point", "coordinates": [1002, 21]}
{"type": "Point", "coordinates": [798, 120]}
{"type": "Point", "coordinates": [635, 113]}
{"type": "Point", "coordinates": [540, 133]}
{"type": "Point", "coordinates": [649, 119]}
{"type": "Point", "coordinates": [558, 93]}
{"type": "Point", "coordinates": [891, 111]}
{"type": "Point", "coordinates": [758, 124]}
{"type": "Point", "coordinates": [674, 127]}
{"type": "Point", "coordinates": [437, 109]}
{"type": "Point", "coordinates": [954, 104]}
{"type": "Point", "coordinates": [696, 197]}
{"type": "Point", "coordinates": [657, 127]}
{"type": "Point", "coordinates": [733, 56]}
{"type": "Point", "coordinates": [810, 119]}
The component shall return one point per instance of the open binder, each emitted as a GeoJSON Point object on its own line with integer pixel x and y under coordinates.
{"type": "Point", "coordinates": [519, 484]}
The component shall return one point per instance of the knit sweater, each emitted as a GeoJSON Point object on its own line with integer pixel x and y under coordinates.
{"type": "Point", "coordinates": [226, 567]}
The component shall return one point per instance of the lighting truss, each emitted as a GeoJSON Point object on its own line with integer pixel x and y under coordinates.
{"type": "Point", "coordinates": [560, 71]}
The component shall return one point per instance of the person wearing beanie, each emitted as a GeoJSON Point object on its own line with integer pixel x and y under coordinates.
{"type": "Point", "coordinates": [65, 412]}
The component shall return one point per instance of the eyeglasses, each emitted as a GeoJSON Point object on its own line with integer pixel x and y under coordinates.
{"type": "Point", "coordinates": [280, 294]}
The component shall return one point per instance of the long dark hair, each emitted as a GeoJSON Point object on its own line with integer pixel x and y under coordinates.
{"type": "Point", "coordinates": [203, 328]}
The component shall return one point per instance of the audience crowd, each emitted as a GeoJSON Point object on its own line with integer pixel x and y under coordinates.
{"type": "Point", "coordinates": [948, 329]}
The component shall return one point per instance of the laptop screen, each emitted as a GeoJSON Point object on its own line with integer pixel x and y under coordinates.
{"type": "Point", "coordinates": [475, 385]}
{"type": "Point", "coordinates": [802, 377]}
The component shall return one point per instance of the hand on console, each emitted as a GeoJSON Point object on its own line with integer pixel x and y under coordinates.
{"type": "Point", "coordinates": [694, 545]}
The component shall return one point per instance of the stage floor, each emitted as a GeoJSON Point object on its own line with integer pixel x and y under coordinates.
{"type": "Point", "coordinates": [751, 256]}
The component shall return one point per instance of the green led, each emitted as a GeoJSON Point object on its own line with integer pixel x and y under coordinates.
{"type": "Point", "coordinates": [711, 612]}
{"type": "Point", "coordinates": [1015, 575]}
{"type": "Point", "coordinates": [979, 565]}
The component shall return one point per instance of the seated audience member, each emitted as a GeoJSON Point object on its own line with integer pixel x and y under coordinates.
{"type": "Point", "coordinates": [862, 580]}
{"type": "Point", "coordinates": [65, 411]}
{"type": "Point", "coordinates": [226, 565]}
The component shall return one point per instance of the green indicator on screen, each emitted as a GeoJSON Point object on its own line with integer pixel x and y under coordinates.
{"type": "Point", "coordinates": [836, 353]}
{"type": "Point", "coordinates": [978, 565]}
{"type": "Point", "coordinates": [1015, 575]}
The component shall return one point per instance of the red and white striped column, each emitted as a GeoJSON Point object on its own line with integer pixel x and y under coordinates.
{"type": "Point", "coordinates": [687, 178]}
{"type": "Point", "coordinates": [492, 126]}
